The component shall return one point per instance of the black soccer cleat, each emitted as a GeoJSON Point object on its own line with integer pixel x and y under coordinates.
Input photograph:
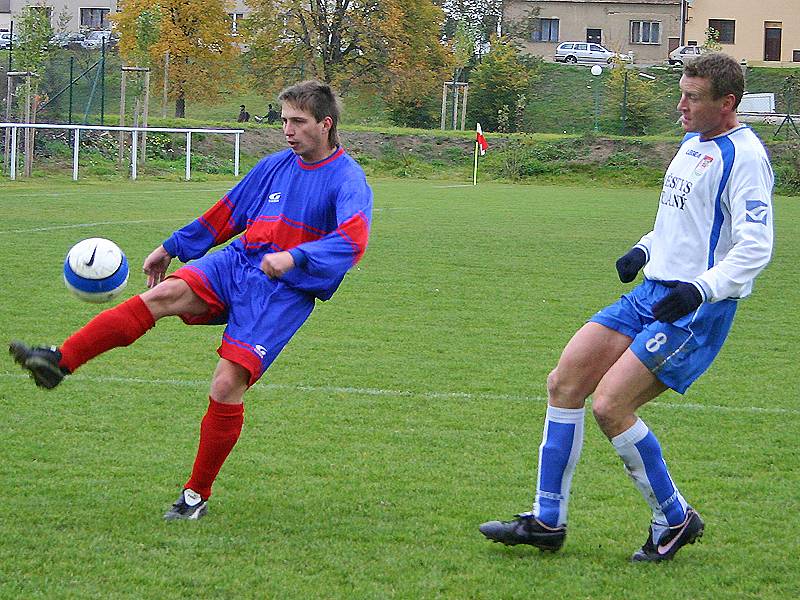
{"type": "Point", "coordinates": [525, 529]}
{"type": "Point", "coordinates": [189, 506]}
{"type": "Point", "coordinates": [41, 362]}
{"type": "Point", "coordinates": [673, 540]}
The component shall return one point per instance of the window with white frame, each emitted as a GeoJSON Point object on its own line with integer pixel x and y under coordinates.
{"type": "Point", "coordinates": [95, 18]}
{"type": "Point", "coordinates": [645, 32]}
{"type": "Point", "coordinates": [545, 30]}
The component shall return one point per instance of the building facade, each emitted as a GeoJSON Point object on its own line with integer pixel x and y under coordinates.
{"type": "Point", "coordinates": [646, 28]}
{"type": "Point", "coordinates": [762, 33]}
{"type": "Point", "coordinates": [83, 15]}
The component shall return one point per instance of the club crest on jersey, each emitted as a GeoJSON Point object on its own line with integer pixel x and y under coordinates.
{"type": "Point", "coordinates": [703, 165]}
{"type": "Point", "coordinates": [756, 211]}
{"type": "Point", "coordinates": [274, 197]}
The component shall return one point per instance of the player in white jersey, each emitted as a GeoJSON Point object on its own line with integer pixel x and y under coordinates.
{"type": "Point", "coordinates": [712, 237]}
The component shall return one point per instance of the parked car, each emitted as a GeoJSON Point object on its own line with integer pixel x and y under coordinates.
{"type": "Point", "coordinates": [94, 39]}
{"type": "Point", "coordinates": [587, 53]}
{"type": "Point", "coordinates": [5, 40]}
{"type": "Point", "coordinates": [67, 39]}
{"type": "Point", "coordinates": [683, 54]}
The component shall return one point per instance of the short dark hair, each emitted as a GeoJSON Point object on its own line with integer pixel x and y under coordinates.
{"type": "Point", "coordinates": [318, 99]}
{"type": "Point", "coordinates": [724, 73]}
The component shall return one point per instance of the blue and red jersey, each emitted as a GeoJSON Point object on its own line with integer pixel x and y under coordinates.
{"type": "Point", "coordinates": [319, 212]}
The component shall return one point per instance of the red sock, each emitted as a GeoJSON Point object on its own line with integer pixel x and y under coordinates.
{"type": "Point", "coordinates": [219, 431]}
{"type": "Point", "coordinates": [118, 326]}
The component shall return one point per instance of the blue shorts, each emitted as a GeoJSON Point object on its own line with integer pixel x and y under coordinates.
{"type": "Point", "coordinates": [262, 314]}
{"type": "Point", "coordinates": [677, 353]}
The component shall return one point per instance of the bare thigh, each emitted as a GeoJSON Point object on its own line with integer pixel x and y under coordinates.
{"type": "Point", "coordinates": [584, 362]}
{"type": "Point", "coordinates": [171, 297]}
{"type": "Point", "coordinates": [626, 386]}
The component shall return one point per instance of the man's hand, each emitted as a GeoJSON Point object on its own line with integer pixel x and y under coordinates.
{"type": "Point", "coordinates": [683, 299]}
{"type": "Point", "coordinates": [629, 265]}
{"type": "Point", "coordinates": [277, 264]}
{"type": "Point", "coordinates": [155, 266]}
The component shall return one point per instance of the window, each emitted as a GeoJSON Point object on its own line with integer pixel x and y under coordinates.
{"type": "Point", "coordinates": [726, 29]}
{"type": "Point", "coordinates": [795, 55]}
{"type": "Point", "coordinates": [645, 32]}
{"type": "Point", "coordinates": [95, 18]}
{"type": "Point", "coordinates": [545, 30]}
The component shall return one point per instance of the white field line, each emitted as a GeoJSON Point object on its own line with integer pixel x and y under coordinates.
{"type": "Point", "coordinates": [80, 225]}
{"type": "Point", "coordinates": [96, 223]}
{"type": "Point", "coordinates": [428, 395]}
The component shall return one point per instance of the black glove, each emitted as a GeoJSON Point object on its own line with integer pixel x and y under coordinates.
{"type": "Point", "coordinates": [628, 266]}
{"type": "Point", "coordinates": [682, 300]}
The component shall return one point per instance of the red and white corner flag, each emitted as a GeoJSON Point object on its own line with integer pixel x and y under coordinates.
{"type": "Point", "coordinates": [482, 145]}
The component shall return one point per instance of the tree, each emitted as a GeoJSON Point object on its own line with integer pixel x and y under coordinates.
{"type": "Point", "coordinates": [631, 99]}
{"type": "Point", "coordinates": [712, 40]}
{"type": "Point", "coordinates": [335, 41]}
{"type": "Point", "coordinates": [481, 18]}
{"type": "Point", "coordinates": [498, 86]}
{"type": "Point", "coordinates": [198, 38]}
{"type": "Point", "coordinates": [417, 63]}
{"type": "Point", "coordinates": [390, 45]}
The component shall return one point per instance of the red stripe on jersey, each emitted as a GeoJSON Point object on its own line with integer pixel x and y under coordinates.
{"type": "Point", "coordinates": [217, 220]}
{"type": "Point", "coordinates": [356, 231]}
{"type": "Point", "coordinates": [312, 166]}
{"type": "Point", "coordinates": [280, 231]}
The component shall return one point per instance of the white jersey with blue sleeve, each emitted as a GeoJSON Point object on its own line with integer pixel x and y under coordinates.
{"type": "Point", "coordinates": [714, 223]}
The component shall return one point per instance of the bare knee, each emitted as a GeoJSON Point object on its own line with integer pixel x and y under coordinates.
{"type": "Point", "coordinates": [230, 382]}
{"type": "Point", "coordinates": [173, 297]}
{"type": "Point", "coordinates": [565, 392]}
{"type": "Point", "coordinates": [610, 413]}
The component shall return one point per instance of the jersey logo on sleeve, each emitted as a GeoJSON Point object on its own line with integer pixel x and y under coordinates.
{"type": "Point", "coordinates": [274, 197]}
{"type": "Point", "coordinates": [757, 211]}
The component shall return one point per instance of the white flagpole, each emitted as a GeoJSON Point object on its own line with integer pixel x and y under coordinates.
{"type": "Point", "coordinates": [475, 166]}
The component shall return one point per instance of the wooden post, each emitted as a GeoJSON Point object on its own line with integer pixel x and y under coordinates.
{"type": "Point", "coordinates": [444, 102]}
{"type": "Point", "coordinates": [166, 87]}
{"type": "Point", "coordinates": [144, 113]}
{"type": "Point", "coordinates": [28, 137]}
{"type": "Point", "coordinates": [464, 106]}
{"type": "Point", "coordinates": [122, 117]}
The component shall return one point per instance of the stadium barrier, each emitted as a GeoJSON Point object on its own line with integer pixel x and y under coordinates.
{"type": "Point", "coordinates": [11, 130]}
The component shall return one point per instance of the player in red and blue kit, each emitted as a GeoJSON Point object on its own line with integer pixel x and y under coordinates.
{"type": "Point", "coordinates": [302, 217]}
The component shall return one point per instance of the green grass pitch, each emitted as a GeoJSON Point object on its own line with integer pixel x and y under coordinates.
{"type": "Point", "coordinates": [407, 411]}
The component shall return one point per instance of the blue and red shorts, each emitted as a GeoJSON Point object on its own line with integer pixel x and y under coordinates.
{"type": "Point", "coordinates": [676, 353]}
{"type": "Point", "coordinates": [262, 314]}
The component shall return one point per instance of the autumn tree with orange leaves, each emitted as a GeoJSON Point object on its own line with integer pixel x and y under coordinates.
{"type": "Point", "coordinates": [391, 45]}
{"type": "Point", "coordinates": [196, 34]}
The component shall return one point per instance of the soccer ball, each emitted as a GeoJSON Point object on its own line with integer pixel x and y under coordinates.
{"type": "Point", "coordinates": [96, 270]}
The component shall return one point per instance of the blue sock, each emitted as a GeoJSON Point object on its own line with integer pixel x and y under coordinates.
{"type": "Point", "coordinates": [559, 452]}
{"type": "Point", "coordinates": [641, 453]}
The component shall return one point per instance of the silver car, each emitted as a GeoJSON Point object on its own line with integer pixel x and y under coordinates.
{"type": "Point", "coordinates": [586, 53]}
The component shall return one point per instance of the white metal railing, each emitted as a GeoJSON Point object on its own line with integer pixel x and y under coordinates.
{"type": "Point", "coordinates": [11, 129]}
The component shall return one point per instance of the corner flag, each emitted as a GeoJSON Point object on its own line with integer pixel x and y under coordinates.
{"type": "Point", "coordinates": [480, 146]}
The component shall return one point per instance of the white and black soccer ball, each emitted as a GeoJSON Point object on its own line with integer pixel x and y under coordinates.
{"type": "Point", "coordinates": [96, 270]}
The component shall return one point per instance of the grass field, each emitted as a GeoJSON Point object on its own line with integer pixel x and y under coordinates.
{"type": "Point", "coordinates": [407, 411]}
